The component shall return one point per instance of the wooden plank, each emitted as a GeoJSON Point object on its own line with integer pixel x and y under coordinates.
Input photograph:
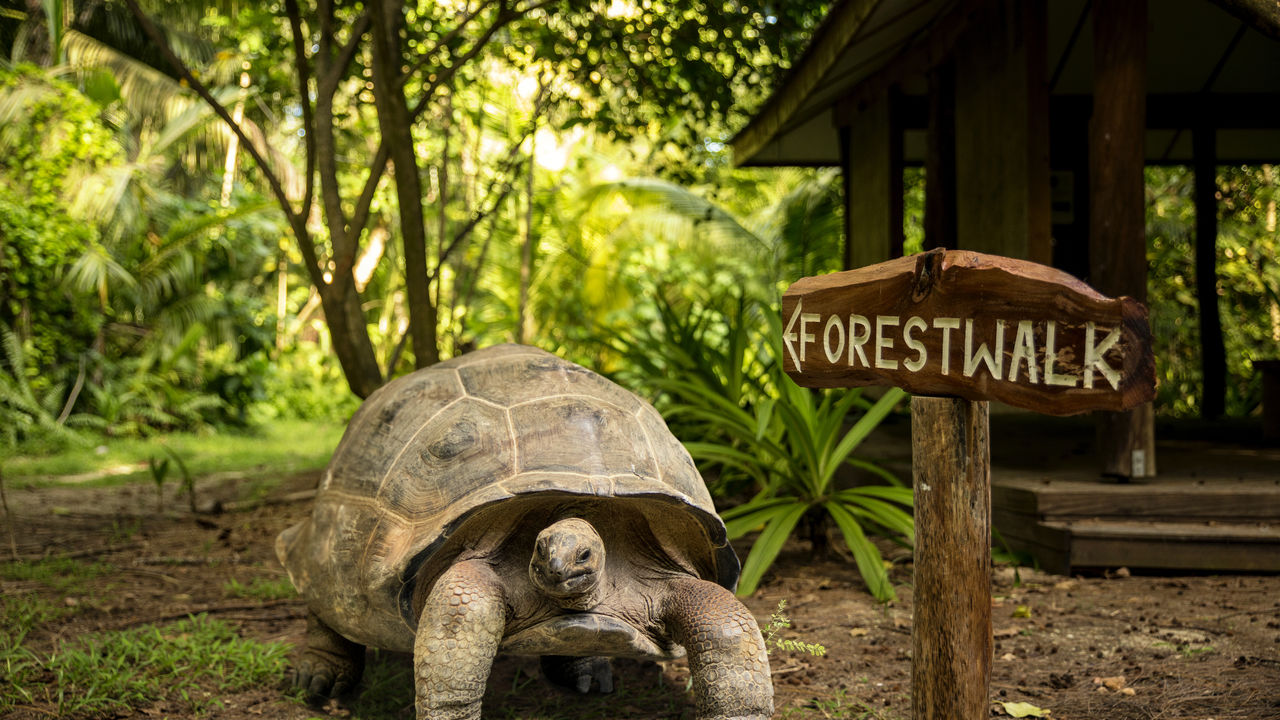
{"type": "Point", "coordinates": [1117, 235]}
{"type": "Point", "coordinates": [1059, 501]}
{"type": "Point", "coordinates": [1029, 529]}
{"type": "Point", "coordinates": [970, 325]}
{"type": "Point", "coordinates": [1173, 546]}
{"type": "Point", "coordinates": [940, 159]}
{"type": "Point", "coordinates": [951, 629]}
{"type": "Point", "coordinates": [868, 203]}
{"type": "Point", "coordinates": [1171, 531]}
{"type": "Point", "coordinates": [1050, 547]}
{"type": "Point", "coordinates": [1001, 131]}
{"type": "Point", "coordinates": [1015, 499]}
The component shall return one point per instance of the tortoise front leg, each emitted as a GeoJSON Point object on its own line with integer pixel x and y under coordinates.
{"type": "Point", "coordinates": [726, 652]}
{"type": "Point", "coordinates": [330, 665]}
{"type": "Point", "coordinates": [458, 635]}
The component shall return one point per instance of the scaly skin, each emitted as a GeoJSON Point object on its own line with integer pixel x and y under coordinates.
{"type": "Point", "coordinates": [458, 635]}
{"type": "Point", "coordinates": [330, 665]}
{"type": "Point", "coordinates": [726, 653]}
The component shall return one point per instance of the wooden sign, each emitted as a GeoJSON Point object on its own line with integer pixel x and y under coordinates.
{"type": "Point", "coordinates": [976, 326]}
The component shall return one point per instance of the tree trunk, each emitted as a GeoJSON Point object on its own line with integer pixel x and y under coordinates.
{"type": "Point", "coordinates": [347, 328]}
{"type": "Point", "coordinates": [396, 124]}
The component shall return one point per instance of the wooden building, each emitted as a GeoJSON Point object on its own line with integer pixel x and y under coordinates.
{"type": "Point", "coordinates": [1034, 120]}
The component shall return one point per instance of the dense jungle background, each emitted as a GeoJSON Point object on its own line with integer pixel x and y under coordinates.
{"type": "Point", "coordinates": [223, 224]}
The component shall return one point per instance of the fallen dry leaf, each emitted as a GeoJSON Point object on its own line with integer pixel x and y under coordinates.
{"type": "Point", "coordinates": [1022, 709]}
{"type": "Point", "coordinates": [858, 632]}
{"type": "Point", "coordinates": [1114, 684]}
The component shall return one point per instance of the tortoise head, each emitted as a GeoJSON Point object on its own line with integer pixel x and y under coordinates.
{"type": "Point", "coordinates": [568, 564]}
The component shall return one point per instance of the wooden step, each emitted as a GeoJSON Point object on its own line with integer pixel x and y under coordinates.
{"type": "Point", "coordinates": [1066, 546]}
{"type": "Point", "coordinates": [1222, 501]}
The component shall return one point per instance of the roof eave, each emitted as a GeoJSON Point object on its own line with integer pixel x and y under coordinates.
{"type": "Point", "coordinates": [835, 32]}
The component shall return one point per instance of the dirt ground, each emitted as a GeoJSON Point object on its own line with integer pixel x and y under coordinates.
{"type": "Point", "coordinates": [1112, 646]}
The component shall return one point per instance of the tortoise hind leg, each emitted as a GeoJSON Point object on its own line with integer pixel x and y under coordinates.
{"type": "Point", "coordinates": [726, 652]}
{"type": "Point", "coordinates": [576, 673]}
{"type": "Point", "coordinates": [458, 635]}
{"type": "Point", "coordinates": [331, 665]}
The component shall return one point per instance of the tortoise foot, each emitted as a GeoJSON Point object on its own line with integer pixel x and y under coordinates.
{"type": "Point", "coordinates": [331, 665]}
{"type": "Point", "coordinates": [577, 673]}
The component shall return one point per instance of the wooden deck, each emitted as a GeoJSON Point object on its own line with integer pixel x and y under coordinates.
{"type": "Point", "coordinates": [1213, 507]}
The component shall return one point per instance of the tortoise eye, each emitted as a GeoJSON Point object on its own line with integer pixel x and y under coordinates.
{"type": "Point", "coordinates": [584, 555]}
{"type": "Point", "coordinates": [542, 550]}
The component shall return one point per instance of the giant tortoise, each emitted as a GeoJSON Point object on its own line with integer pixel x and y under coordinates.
{"type": "Point", "coordinates": [510, 501]}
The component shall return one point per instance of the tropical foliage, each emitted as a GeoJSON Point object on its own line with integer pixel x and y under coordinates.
{"type": "Point", "coordinates": [219, 215]}
{"type": "Point", "coordinates": [1248, 284]}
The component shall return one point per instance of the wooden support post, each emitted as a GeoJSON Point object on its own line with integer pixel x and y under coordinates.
{"type": "Point", "coordinates": [1117, 218]}
{"type": "Point", "coordinates": [940, 160]}
{"type": "Point", "coordinates": [1213, 354]}
{"type": "Point", "coordinates": [951, 632]}
{"type": "Point", "coordinates": [868, 172]}
{"type": "Point", "coordinates": [897, 193]}
{"type": "Point", "coordinates": [1002, 131]}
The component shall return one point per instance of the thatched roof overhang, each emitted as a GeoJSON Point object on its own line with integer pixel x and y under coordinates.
{"type": "Point", "coordinates": [1214, 62]}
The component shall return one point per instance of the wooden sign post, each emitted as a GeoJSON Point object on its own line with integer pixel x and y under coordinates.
{"type": "Point", "coordinates": [957, 329]}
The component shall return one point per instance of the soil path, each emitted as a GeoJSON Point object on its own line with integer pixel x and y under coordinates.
{"type": "Point", "coordinates": [1116, 647]}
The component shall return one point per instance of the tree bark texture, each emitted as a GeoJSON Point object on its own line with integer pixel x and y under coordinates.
{"type": "Point", "coordinates": [344, 316]}
{"type": "Point", "coordinates": [396, 124]}
{"type": "Point", "coordinates": [951, 631]}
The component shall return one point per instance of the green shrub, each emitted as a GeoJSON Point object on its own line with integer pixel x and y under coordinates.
{"type": "Point", "coordinates": [723, 391]}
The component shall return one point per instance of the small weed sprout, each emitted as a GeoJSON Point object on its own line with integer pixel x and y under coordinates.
{"type": "Point", "coordinates": [188, 482]}
{"type": "Point", "coordinates": [779, 620]}
{"type": "Point", "coordinates": [159, 473]}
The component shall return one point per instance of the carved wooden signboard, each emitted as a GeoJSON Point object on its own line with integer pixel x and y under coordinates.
{"type": "Point", "coordinates": [958, 329]}
{"type": "Point", "coordinates": [970, 325]}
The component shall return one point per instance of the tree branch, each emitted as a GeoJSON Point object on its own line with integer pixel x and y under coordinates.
{"type": "Point", "coordinates": [304, 97]}
{"type": "Point", "coordinates": [329, 82]}
{"type": "Point", "coordinates": [449, 37]}
{"type": "Point", "coordinates": [162, 45]}
{"type": "Point", "coordinates": [508, 167]}
{"type": "Point", "coordinates": [505, 17]}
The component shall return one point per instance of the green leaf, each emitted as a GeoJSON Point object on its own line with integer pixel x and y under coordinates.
{"type": "Point", "coordinates": [870, 563]}
{"type": "Point", "coordinates": [740, 520]}
{"type": "Point", "coordinates": [764, 414]}
{"type": "Point", "coordinates": [863, 427]}
{"type": "Point", "coordinates": [768, 545]}
{"type": "Point", "coordinates": [879, 512]}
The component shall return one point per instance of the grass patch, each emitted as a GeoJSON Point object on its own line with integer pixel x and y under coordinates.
{"type": "Point", "coordinates": [260, 589]}
{"type": "Point", "coordinates": [65, 575]}
{"type": "Point", "coordinates": [22, 613]}
{"type": "Point", "coordinates": [275, 448]}
{"type": "Point", "coordinates": [191, 663]}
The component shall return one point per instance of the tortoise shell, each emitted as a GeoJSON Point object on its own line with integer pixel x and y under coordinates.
{"type": "Point", "coordinates": [483, 432]}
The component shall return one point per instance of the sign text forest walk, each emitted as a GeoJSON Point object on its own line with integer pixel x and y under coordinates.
{"type": "Point", "coordinates": [976, 326]}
